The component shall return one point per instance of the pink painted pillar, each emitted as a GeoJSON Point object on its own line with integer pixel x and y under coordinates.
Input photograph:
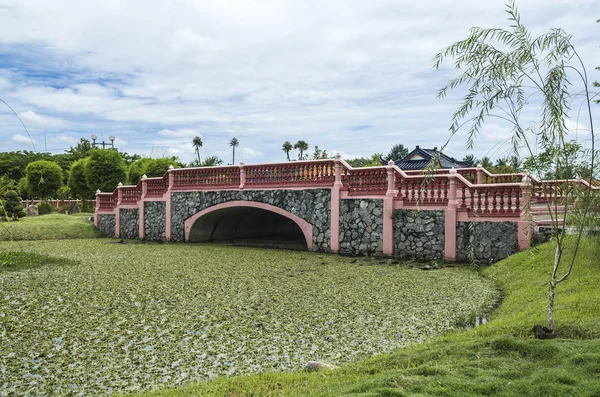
{"type": "Point", "coordinates": [141, 219]}
{"type": "Point", "coordinates": [168, 201]}
{"type": "Point", "coordinates": [479, 174]}
{"type": "Point", "coordinates": [97, 208]}
{"type": "Point", "coordinates": [450, 219]}
{"type": "Point", "coordinates": [335, 205]}
{"type": "Point", "coordinates": [524, 226]}
{"type": "Point", "coordinates": [117, 210]}
{"type": "Point", "coordinates": [388, 211]}
{"type": "Point", "coordinates": [242, 175]}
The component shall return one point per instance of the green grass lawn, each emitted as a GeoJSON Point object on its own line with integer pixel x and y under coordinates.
{"type": "Point", "coordinates": [48, 227]}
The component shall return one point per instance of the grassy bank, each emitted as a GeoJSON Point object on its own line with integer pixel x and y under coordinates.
{"type": "Point", "coordinates": [499, 358]}
{"type": "Point", "coordinates": [48, 227]}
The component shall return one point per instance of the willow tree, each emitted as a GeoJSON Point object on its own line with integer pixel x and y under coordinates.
{"type": "Point", "coordinates": [530, 84]}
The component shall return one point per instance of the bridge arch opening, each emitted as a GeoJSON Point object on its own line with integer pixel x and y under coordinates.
{"type": "Point", "coordinates": [249, 223]}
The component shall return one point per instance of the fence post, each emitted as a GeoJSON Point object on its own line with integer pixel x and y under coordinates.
{"type": "Point", "coordinates": [242, 175]}
{"type": "Point", "coordinates": [524, 225]}
{"type": "Point", "coordinates": [450, 218]}
{"type": "Point", "coordinates": [141, 207]}
{"type": "Point", "coordinates": [117, 210]}
{"type": "Point", "coordinates": [97, 208]}
{"type": "Point", "coordinates": [479, 174]}
{"type": "Point", "coordinates": [388, 211]}
{"type": "Point", "coordinates": [334, 237]}
{"type": "Point", "coordinates": [168, 204]}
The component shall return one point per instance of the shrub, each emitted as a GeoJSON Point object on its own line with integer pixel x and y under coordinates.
{"type": "Point", "coordinates": [43, 178]}
{"type": "Point", "coordinates": [137, 169]}
{"type": "Point", "coordinates": [104, 170]}
{"type": "Point", "coordinates": [12, 205]}
{"type": "Point", "coordinates": [45, 208]}
{"type": "Point", "coordinates": [77, 181]}
{"type": "Point", "coordinates": [158, 167]}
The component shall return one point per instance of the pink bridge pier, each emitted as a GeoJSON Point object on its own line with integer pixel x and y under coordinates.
{"type": "Point", "coordinates": [334, 207]}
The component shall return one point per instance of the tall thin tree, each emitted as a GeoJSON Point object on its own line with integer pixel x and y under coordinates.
{"type": "Point", "coordinates": [234, 143]}
{"type": "Point", "coordinates": [510, 73]}
{"type": "Point", "coordinates": [287, 148]}
{"type": "Point", "coordinates": [301, 146]}
{"type": "Point", "coordinates": [197, 143]}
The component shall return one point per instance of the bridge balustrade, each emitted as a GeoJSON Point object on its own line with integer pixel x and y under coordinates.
{"type": "Point", "coordinates": [157, 187]}
{"type": "Point", "coordinates": [131, 194]}
{"type": "Point", "coordinates": [206, 178]}
{"type": "Point", "coordinates": [318, 173]}
{"type": "Point", "coordinates": [107, 201]}
{"type": "Point", "coordinates": [365, 181]}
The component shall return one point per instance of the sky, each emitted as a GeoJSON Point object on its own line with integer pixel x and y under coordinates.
{"type": "Point", "coordinates": [353, 77]}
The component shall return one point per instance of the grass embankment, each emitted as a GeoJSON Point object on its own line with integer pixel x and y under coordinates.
{"type": "Point", "coordinates": [48, 227]}
{"type": "Point", "coordinates": [499, 358]}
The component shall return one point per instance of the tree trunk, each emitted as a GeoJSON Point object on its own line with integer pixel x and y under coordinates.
{"type": "Point", "coordinates": [551, 292]}
{"type": "Point", "coordinates": [233, 156]}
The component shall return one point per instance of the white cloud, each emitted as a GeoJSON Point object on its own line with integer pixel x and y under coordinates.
{"type": "Point", "coordinates": [263, 71]}
{"type": "Point", "coordinates": [21, 139]}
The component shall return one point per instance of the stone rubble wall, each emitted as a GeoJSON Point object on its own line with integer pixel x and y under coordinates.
{"type": "Point", "coordinates": [488, 242]}
{"type": "Point", "coordinates": [155, 220]}
{"type": "Point", "coordinates": [361, 226]}
{"type": "Point", "coordinates": [107, 224]}
{"type": "Point", "coordinates": [419, 234]}
{"type": "Point", "coordinates": [129, 223]}
{"type": "Point", "coordinates": [314, 206]}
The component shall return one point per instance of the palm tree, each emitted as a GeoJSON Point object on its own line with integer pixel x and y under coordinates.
{"type": "Point", "coordinates": [234, 143]}
{"type": "Point", "coordinates": [287, 148]}
{"type": "Point", "coordinates": [301, 146]}
{"type": "Point", "coordinates": [197, 143]}
{"type": "Point", "coordinates": [486, 163]}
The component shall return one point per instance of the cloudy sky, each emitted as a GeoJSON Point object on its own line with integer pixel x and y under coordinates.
{"type": "Point", "coordinates": [353, 77]}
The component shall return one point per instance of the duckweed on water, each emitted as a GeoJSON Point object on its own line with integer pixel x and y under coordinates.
{"type": "Point", "coordinates": [126, 317]}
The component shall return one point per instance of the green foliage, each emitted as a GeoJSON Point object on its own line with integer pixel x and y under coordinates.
{"type": "Point", "coordinates": [319, 154]}
{"type": "Point", "coordinates": [287, 148]}
{"type": "Point", "coordinates": [18, 261]}
{"type": "Point", "coordinates": [12, 206]}
{"type": "Point", "coordinates": [64, 193]}
{"type": "Point", "coordinates": [137, 169]}
{"type": "Point", "coordinates": [302, 146]}
{"type": "Point", "coordinates": [77, 181]}
{"type": "Point", "coordinates": [397, 152]}
{"type": "Point", "coordinates": [374, 161]}
{"type": "Point", "coordinates": [158, 167]}
{"type": "Point", "coordinates": [197, 143]}
{"type": "Point", "coordinates": [49, 227]}
{"type": "Point", "coordinates": [45, 208]}
{"type": "Point", "coordinates": [104, 170]}
{"type": "Point", "coordinates": [81, 150]}
{"type": "Point", "coordinates": [44, 178]}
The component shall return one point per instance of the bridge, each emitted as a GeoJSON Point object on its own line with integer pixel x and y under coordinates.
{"type": "Point", "coordinates": [327, 205]}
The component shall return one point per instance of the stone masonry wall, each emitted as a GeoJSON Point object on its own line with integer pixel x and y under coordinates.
{"type": "Point", "coordinates": [361, 226]}
{"type": "Point", "coordinates": [107, 224]}
{"type": "Point", "coordinates": [419, 234]}
{"type": "Point", "coordinates": [489, 242]}
{"type": "Point", "coordinates": [155, 216]}
{"type": "Point", "coordinates": [129, 223]}
{"type": "Point", "coordinates": [311, 205]}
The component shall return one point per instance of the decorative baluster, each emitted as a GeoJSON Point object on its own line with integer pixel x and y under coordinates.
{"type": "Point", "coordinates": [502, 193]}
{"type": "Point", "coordinates": [494, 208]}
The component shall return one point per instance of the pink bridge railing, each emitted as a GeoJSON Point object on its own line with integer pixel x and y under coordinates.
{"type": "Point", "coordinates": [476, 191]}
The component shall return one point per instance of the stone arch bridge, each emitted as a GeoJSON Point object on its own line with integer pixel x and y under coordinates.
{"type": "Point", "coordinates": [326, 205]}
